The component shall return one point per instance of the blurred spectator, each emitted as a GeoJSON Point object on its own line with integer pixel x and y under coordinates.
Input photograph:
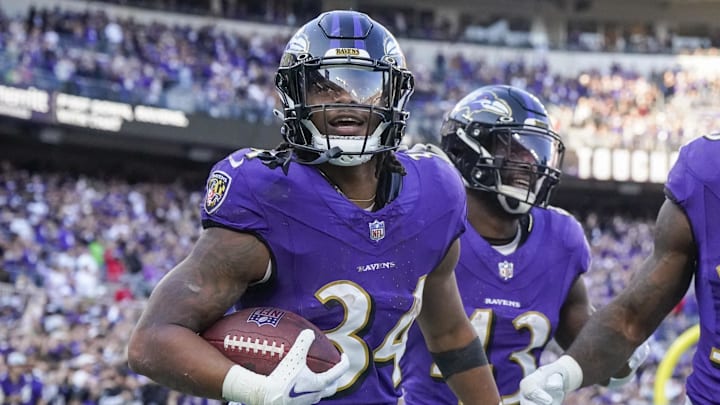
{"type": "Point", "coordinates": [19, 385]}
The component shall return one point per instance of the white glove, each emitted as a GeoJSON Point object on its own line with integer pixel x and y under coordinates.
{"type": "Point", "coordinates": [548, 384]}
{"type": "Point", "coordinates": [636, 360]}
{"type": "Point", "coordinates": [291, 383]}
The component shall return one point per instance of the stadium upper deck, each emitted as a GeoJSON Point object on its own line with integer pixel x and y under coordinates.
{"type": "Point", "coordinates": [601, 102]}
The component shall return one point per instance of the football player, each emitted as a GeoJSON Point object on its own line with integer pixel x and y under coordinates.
{"type": "Point", "coordinates": [332, 225]}
{"type": "Point", "coordinates": [521, 263]}
{"type": "Point", "coordinates": [686, 245]}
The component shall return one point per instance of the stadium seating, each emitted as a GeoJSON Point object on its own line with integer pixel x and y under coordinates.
{"type": "Point", "coordinates": [79, 253]}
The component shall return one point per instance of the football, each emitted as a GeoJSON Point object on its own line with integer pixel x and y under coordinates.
{"type": "Point", "coordinates": [259, 338]}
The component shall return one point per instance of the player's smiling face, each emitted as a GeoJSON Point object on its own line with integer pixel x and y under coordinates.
{"type": "Point", "coordinates": [519, 163]}
{"type": "Point", "coordinates": [345, 120]}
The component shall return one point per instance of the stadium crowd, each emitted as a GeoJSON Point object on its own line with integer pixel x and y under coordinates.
{"type": "Point", "coordinates": [79, 255]}
{"type": "Point", "coordinates": [230, 75]}
{"type": "Point", "coordinates": [81, 252]}
{"type": "Point", "coordinates": [424, 24]}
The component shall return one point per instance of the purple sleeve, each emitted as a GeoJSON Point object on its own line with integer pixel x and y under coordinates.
{"type": "Point", "coordinates": [574, 240]}
{"type": "Point", "coordinates": [448, 191]}
{"type": "Point", "coordinates": [677, 186]}
{"type": "Point", "coordinates": [230, 198]}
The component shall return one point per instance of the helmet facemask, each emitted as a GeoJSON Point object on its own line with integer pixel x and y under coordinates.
{"type": "Point", "coordinates": [520, 164]}
{"type": "Point", "coordinates": [349, 107]}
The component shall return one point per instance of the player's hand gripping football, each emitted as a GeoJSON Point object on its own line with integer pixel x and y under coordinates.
{"type": "Point", "coordinates": [291, 383]}
{"type": "Point", "coordinates": [548, 384]}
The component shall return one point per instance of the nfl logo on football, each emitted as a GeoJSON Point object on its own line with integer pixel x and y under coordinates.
{"type": "Point", "coordinates": [266, 316]}
{"type": "Point", "coordinates": [505, 268]}
{"type": "Point", "coordinates": [377, 230]}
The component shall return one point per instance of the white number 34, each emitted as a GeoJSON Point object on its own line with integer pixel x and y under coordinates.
{"type": "Point", "coordinates": [358, 307]}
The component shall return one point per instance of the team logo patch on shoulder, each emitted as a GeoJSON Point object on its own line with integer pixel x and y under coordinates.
{"type": "Point", "coordinates": [377, 230]}
{"type": "Point", "coordinates": [266, 316]}
{"type": "Point", "coordinates": [216, 190]}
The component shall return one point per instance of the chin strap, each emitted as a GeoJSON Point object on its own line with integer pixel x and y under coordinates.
{"type": "Point", "coordinates": [513, 205]}
{"type": "Point", "coordinates": [282, 158]}
{"type": "Point", "coordinates": [332, 153]}
{"type": "Point", "coordinates": [276, 158]}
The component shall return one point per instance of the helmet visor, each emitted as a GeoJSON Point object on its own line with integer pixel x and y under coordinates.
{"type": "Point", "coordinates": [347, 85]}
{"type": "Point", "coordinates": [526, 146]}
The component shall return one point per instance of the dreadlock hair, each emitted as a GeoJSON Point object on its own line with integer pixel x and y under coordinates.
{"type": "Point", "coordinates": [388, 161]}
{"type": "Point", "coordinates": [389, 172]}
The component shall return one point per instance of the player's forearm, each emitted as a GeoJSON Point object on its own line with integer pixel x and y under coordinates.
{"type": "Point", "coordinates": [467, 371]}
{"type": "Point", "coordinates": [475, 386]}
{"type": "Point", "coordinates": [602, 348]}
{"type": "Point", "coordinates": [612, 334]}
{"type": "Point", "coordinates": [179, 359]}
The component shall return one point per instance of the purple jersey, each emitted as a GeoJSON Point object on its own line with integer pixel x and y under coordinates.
{"type": "Point", "coordinates": [694, 184]}
{"type": "Point", "coordinates": [357, 275]}
{"type": "Point", "coordinates": [26, 389]}
{"type": "Point", "coordinates": [513, 302]}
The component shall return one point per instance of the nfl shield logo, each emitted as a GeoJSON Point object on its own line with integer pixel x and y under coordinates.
{"type": "Point", "coordinates": [505, 269]}
{"type": "Point", "coordinates": [377, 230]}
{"type": "Point", "coordinates": [266, 316]}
